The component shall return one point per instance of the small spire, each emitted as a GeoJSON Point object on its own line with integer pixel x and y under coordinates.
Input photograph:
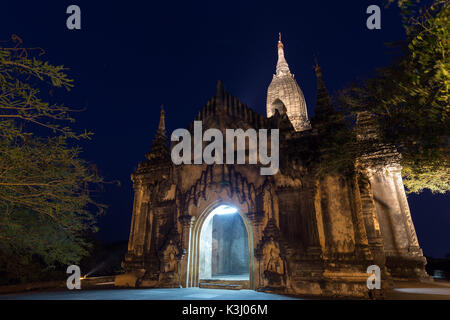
{"type": "Point", "coordinates": [282, 66]}
{"type": "Point", "coordinates": [162, 121]}
{"type": "Point", "coordinates": [324, 106]}
{"type": "Point", "coordinates": [280, 44]}
{"type": "Point", "coordinates": [317, 68]}
{"type": "Point", "coordinates": [159, 149]}
{"type": "Point", "coordinates": [220, 90]}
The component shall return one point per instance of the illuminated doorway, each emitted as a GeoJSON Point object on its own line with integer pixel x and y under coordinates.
{"type": "Point", "coordinates": [223, 246]}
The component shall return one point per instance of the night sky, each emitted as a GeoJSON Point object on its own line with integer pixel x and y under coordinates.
{"type": "Point", "coordinates": [132, 56]}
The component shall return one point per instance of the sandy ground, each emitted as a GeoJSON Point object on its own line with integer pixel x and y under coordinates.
{"type": "Point", "coordinates": [438, 290]}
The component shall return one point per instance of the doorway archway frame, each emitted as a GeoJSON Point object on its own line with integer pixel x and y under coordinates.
{"type": "Point", "coordinates": [192, 279]}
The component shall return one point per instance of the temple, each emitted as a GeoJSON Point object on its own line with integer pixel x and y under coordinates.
{"type": "Point", "coordinates": [300, 231]}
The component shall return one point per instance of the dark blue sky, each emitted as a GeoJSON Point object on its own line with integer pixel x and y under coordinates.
{"type": "Point", "coordinates": [130, 57]}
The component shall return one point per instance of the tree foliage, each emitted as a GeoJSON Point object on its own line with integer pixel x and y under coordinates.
{"type": "Point", "coordinates": [410, 98]}
{"type": "Point", "coordinates": [46, 202]}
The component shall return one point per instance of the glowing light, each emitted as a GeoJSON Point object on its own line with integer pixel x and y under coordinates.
{"type": "Point", "coordinates": [223, 209]}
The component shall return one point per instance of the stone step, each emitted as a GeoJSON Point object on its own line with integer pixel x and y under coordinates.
{"type": "Point", "coordinates": [220, 286]}
{"type": "Point", "coordinates": [224, 284]}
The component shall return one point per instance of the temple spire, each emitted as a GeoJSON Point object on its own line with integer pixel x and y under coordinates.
{"type": "Point", "coordinates": [284, 93]}
{"type": "Point", "coordinates": [282, 66]}
{"type": "Point", "coordinates": [220, 90]}
{"type": "Point", "coordinates": [324, 106]}
{"type": "Point", "coordinates": [162, 122]}
{"type": "Point", "coordinates": [317, 68]}
{"type": "Point", "coordinates": [159, 150]}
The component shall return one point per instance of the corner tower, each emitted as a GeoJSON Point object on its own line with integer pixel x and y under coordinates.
{"type": "Point", "coordinates": [285, 95]}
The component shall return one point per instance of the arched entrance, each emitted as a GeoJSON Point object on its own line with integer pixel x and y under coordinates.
{"type": "Point", "coordinates": [279, 105]}
{"type": "Point", "coordinates": [223, 251]}
{"type": "Point", "coordinates": [220, 248]}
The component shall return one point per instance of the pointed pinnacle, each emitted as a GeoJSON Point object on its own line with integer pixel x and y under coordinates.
{"type": "Point", "coordinates": [220, 89]}
{"type": "Point", "coordinates": [280, 44]}
{"type": "Point", "coordinates": [317, 68]}
{"type": "Point", "coordinates": [162, 121]}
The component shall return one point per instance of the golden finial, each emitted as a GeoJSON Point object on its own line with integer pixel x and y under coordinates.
{"type": "Point", "coordinates": [280, 44]}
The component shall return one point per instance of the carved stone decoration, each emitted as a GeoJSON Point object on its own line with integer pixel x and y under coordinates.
{"type": "Point", "coordinates": [273, 264]}
{"type": "Point", "coordinates": [271, 259]}
{"type": "Point", "coordinates": [170, 255]}
{"type": "Point", "coordinates": [169, 261]}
